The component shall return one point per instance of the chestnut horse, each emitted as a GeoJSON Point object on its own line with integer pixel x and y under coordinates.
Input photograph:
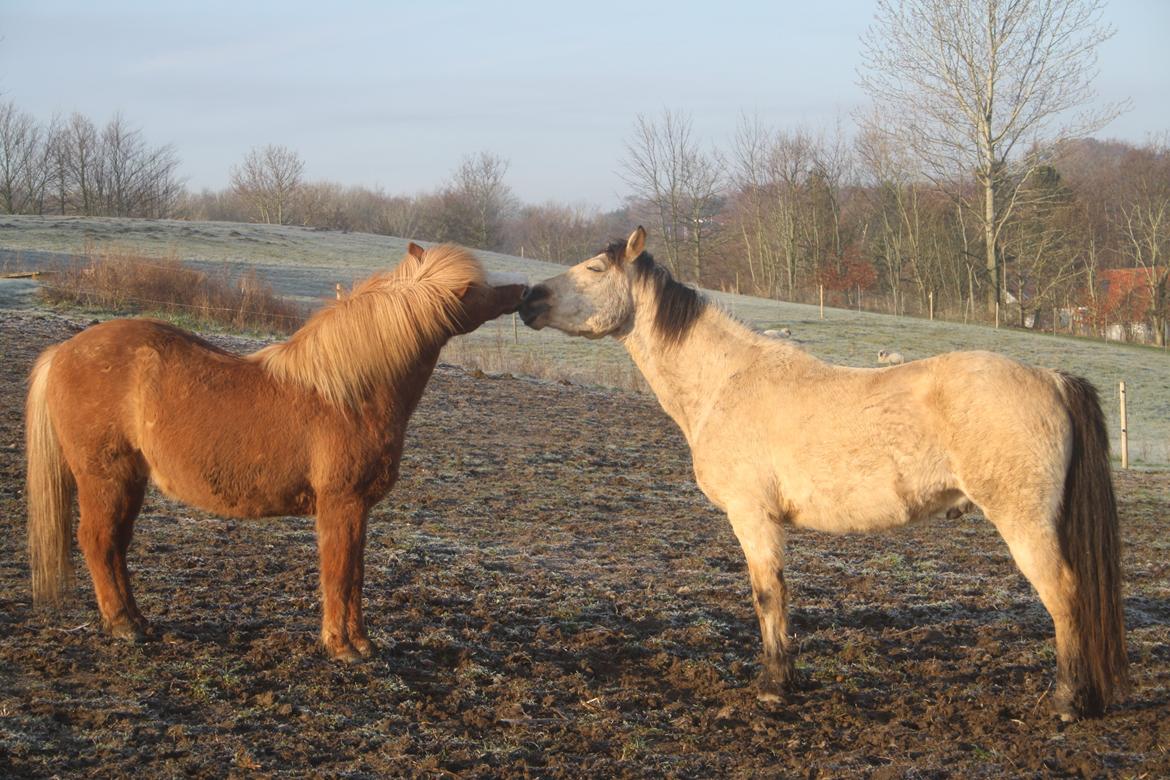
{"type": "Point", "coordinates": [314, 425]}
{"type": "Point", "coordinates": [778, 437]}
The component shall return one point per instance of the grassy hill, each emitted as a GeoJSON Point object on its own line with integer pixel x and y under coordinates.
{"type": "Point", "coordinates": [306, 263]}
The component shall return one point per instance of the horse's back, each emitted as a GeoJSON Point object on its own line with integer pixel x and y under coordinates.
{"type": "Point", "coordinates": [857, 449]}
{"type": "Point", "coordinates": [110, 369]}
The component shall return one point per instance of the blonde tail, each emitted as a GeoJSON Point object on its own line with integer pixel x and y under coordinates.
{"type": "Point", "coordinates": [49, 490]}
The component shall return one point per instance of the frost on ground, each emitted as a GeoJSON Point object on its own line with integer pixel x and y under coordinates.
{"type": "Point", "coordinates": [552, 596]}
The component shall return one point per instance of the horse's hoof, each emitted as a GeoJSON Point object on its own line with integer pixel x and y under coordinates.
{"type": "Point", "coordinates": [364, 647]}
{"type": "Point", "coordinates": [128, 632]}
{"type": "Point", "coordinates": [769, 689]}
{"type": "Point", "coordinates": [1065, 710]}
{"type": "Point", "coordinates": [769, 696]}
{"type": "Point", "coordinates": [345, 654]}
{"type": "Point", "coordinates": [1071, 707]}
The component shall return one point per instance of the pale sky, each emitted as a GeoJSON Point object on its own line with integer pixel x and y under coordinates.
{"type": "Point", "coordinates": [393, 94]}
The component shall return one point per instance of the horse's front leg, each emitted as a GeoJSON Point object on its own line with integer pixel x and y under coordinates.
{"type": "Point", "coordinates": [762, 539]}
{"type": "Point", "coordinates": [341, 536]}
{"type": "Point", "coordinates": [355, 622]}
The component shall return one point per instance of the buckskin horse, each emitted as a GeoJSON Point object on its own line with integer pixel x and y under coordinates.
{"type": "Point", "coordinates": [779, 437]}
{"type": "Point", "coordinates": [313, 425]}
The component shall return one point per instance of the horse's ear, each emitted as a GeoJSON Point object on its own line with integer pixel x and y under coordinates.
{"type": "Point", "coordinates": [415, 251]}
{"type": "Point", "coordinates": [635, 244]}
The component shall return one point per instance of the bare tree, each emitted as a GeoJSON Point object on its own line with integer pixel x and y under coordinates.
{"type": "Point", "coordinates": [269, 180]}
{"type": "Point", "coordinates": [557, 232]}
{"type": "Point", "coordinates": [20, 151]}
{"type": "Point", "coordinates": [788, 205]}
{"type": "Point", "coordinates": [969, 85]}
{"type": "Point", "coordinates": [133, 179]}
{"type": "Point", "coordinates": [1144, 220]}
{"type": "Point", "coordinates": [678, 184]}
{"type": "Point", "coordinates": [479, 191]}
{"type": "Point", "coordinates": [83, 159]}
{"type": "Point", "coordinates": [1040, 245]}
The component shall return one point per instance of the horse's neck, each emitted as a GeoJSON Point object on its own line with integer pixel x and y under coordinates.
{"type": "Point", "coordinates": [687, 376]}
{"type": "Point", "coordinates": [391, 403]}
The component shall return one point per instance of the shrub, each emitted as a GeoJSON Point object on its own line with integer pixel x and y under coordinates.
{"type": "Point", "coordinates": [121, 281]}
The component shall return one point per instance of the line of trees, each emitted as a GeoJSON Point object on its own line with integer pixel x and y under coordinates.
{"type": "Point", "coordinates": [75, 167]}
{"type": "Point", "coordinates": [475, 207]}
{"type": "Point", "coordinates": [795, 212]}
{"type": "Point", "coordinates": [778, 212]}
{"type": "Point", "coordinates": [972, 188]}
{"type": "Point", "coordinates": [72, 166]}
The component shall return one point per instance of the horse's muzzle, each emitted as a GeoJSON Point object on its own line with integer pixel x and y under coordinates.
{"type": "Point", "coordinates": [534, 306]}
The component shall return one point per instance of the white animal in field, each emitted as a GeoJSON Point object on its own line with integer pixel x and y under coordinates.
{"type": "Point", "coordinates": [891, 358]}
{"type": "Point", "coordinates": [781, 439]}
{"type": "Point", "coordinates": [782, 333]}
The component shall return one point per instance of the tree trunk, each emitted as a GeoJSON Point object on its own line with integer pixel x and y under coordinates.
{"type": "Point", "coordinates": [989, 242]}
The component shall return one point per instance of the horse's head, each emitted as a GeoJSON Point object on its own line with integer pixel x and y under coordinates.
{"type": "Point", "coordinates": [483, 302]}
{"type": "Point", "coordinates": [593, 298]}
{"type": "Point", "coordinates": [479, 301]}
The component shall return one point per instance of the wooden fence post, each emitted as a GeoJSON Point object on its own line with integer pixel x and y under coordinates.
{"type": "Point", "coordinates": [932, 305]}
{"type": "Point", "coordinates": [1124, 430]}
{"type": "Point", "coordinates": [822, 291]}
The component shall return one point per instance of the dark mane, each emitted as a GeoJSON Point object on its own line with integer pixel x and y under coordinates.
{"type": "Point", "coordinates": [679, 305]}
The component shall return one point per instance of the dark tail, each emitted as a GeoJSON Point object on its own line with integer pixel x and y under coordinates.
{"type": "Point", "coordinates": [1091, 544]}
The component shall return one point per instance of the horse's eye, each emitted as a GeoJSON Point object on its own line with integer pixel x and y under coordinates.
{"type": "Point", "coordinates": [596, 268]}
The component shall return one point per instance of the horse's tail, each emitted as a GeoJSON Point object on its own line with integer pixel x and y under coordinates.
{"type": "Point", "coordinates": [49, 490]}
{"type": "Point", "coordinates": [1091, 544]}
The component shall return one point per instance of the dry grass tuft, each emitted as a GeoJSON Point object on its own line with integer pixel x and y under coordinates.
{"type": "Point", "coordinates": [122, 281]}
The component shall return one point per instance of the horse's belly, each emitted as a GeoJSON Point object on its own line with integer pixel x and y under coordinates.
{"type": "Point", "coordinates": [854, 517]}
{"type": "Point", "coordinates": [879, 513]}
{"type": "Point", "coordinates": [232, 490]}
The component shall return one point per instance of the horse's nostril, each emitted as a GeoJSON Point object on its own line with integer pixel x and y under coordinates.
{"type": "Point", "coordinates": [537, 293]}
{"type": "Point", "coordinates": [530, 313]}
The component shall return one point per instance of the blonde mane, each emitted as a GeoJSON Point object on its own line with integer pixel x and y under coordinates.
{"type": "Point", "coordinates": [376, 333]}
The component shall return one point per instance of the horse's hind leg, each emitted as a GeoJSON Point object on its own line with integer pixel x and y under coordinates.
{"type": "Point", "coordinates": [108, 507]}
{"type": "Point", "coordinates": [762, 539]}
{"type": "Point", "coordinates": [1031, 537]}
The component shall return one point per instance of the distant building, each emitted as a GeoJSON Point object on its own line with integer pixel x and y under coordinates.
{"type": "Point", "coordinates": [1123, 304]}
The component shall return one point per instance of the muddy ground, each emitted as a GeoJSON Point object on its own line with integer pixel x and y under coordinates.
{"type": "Point", "coordinates": [552, 596]}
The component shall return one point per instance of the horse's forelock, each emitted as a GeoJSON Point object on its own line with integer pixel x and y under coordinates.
{"type": "Point", "coordinates": [616, 251]}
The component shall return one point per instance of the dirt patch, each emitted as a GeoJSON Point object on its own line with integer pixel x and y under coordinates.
{"type": "Point", "coordinates": [552, 596]}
